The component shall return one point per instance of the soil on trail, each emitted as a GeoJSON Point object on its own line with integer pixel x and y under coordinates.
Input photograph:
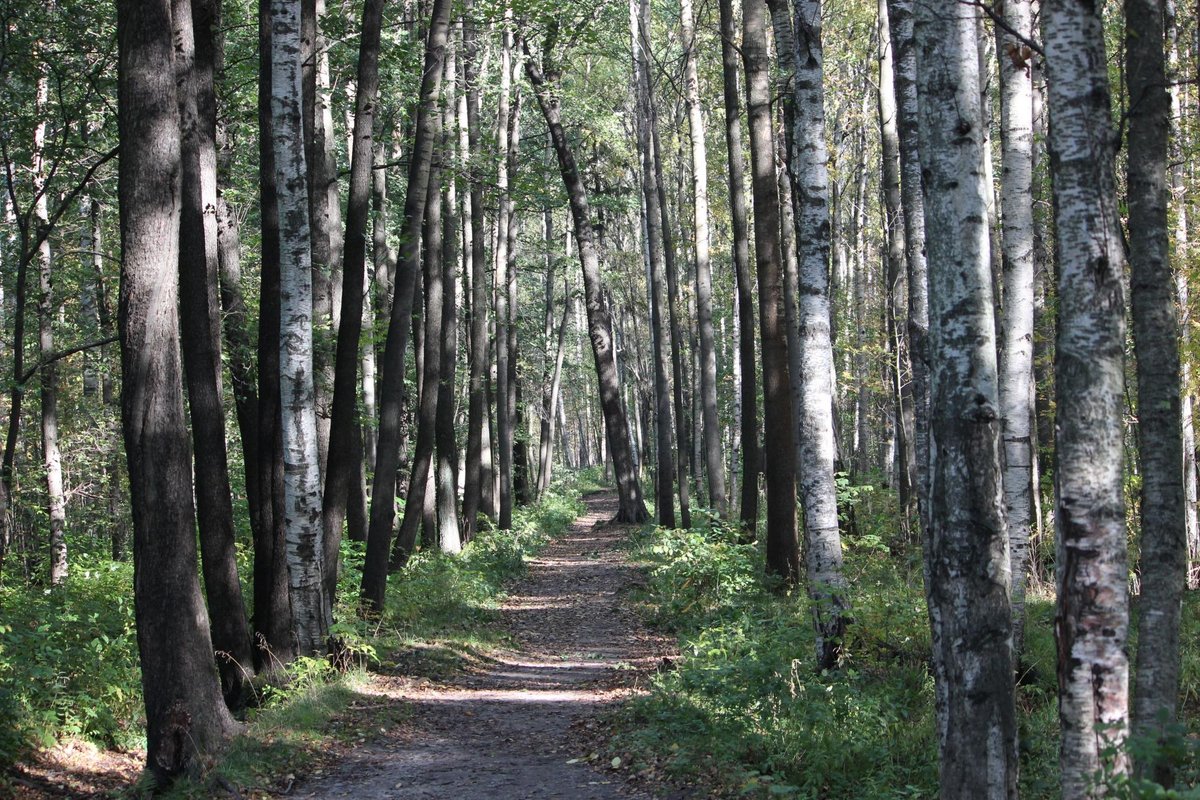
{"type": "Point", "coordinates": [511, 731]}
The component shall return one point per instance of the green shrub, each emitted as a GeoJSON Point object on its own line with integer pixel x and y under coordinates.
{"type": "Point", "coordinates": [69, 660]}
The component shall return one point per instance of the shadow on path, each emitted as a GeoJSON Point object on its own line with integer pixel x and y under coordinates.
{"type": "Point", "coordinates": [505, 733]}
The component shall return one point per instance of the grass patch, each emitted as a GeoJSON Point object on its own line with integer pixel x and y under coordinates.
{"type": "Point", "coordinates": [745, 712]}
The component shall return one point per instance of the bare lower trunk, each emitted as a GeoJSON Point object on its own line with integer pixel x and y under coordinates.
{"type": "Point", "coordinates": [714, 461]}
{"type": "Point", "coordinates": [186, 721]}
{"type": "Point", "coordinates": [1093, 606]}
{"type": "Point", "coordinates": [311, 613]}
{"type": "Point", "coordinates": [783, 554]}
{"type": "Point", "coordinates": [1156, 345]}
{"type": "Point", "coordinates": [748, 385]}
{"type": "Point", "coordinates": [1016, 362]}
{"type": "Point", "coordinates": [966, 548]}
{"type": "Point", "coordinates": [198, 269]}
{"type": "Point", "coordinates": [344, 447]}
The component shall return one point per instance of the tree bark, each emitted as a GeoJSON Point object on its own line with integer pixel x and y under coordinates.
{"type": "Point", "coordinates": [415, 502]}
{"type": "Point", "coordinates": [194, 23]}
{"type": "Point", "coordinates": [186, 721]}
{"type": "Point", "coordinates": [748, 395]}
{"type": "Point", "coordinates": [630, 507]}
{"type": "Point", "coordinates": [1016, 357]}
{"type": "Point", "coordinates": [1156, 345]}
{"type": "Point", "coordinates": [324, 212]}
{"type": "Point", "coordinates": [56, 501]}
{"type": "Point", "coordinates": [810, 187]}
{"type": "Point", "coordinates": [714, 461]}
{"type": "Point", "coordinates": [383, 489]}
{"type": "Point", "coordinates": [478, 440]}
{"type": "Point", "coordinates": [449, 534]}
{"type": "Point", "coordinates": [912, 201]}
{"type": "Point", "coordinates": [274, 639]}
{"type": "Point", "coordinates": [343, 454]}
{"type": "Point", "coordinates": [639, 13]}
{"type": "Point", "coordinates": [1091, 622]}
{"type": "Point", "coordinates": [311, 609]}
{"type": "Point", "coordinates": [504, 413]}
{"type": "Point", "coordinates": [783, 554]}
{"type": "Point", "coordinates": [966, 547]}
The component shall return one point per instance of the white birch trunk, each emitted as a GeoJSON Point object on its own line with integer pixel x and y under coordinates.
{"type": "Point", "coordinates": [1016, 360]}
{"type": "Point", "coordinates": [302, 474]}
{"type": "Point", "coordinates": [1093, 606]}
{"type": "Point", "coordinates": [967, 567]}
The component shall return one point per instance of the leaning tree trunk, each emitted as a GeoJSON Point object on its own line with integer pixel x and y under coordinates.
{"type": "Point", "coordinates": [186, 721]}
{"type": "Point", "coordinates": [311, 614]}
{"type": "Point", "coordinates": [630, 507]}
{"type": "Point", "coordinates": [201, 318]}
{"type": "Point", "coordinates": [783, 554]}
{"type": "Point", "coordinates": [810, 187]}
{"type": "Point", "coordinates": [751, 459]}
{"type": "Point", "coordinates": [1092, 616]}
{"type": "Point", "coordinates": [1156, 345]}
{"type": "Point", "coordinates": [342, 452]}
{"type": "Point", "coordinates": [966, 550]}
{"type": "Point", "coordinates": [383, 488]}
{"type": "Point", "coordinates": [714, 461]}
{"type": "Point", "coordinates": [1016, 362]}
{"type": "Point", "coordinates": [416, 501]}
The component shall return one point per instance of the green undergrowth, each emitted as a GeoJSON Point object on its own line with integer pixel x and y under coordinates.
{"type": "Point", "coordinates": [744, 711]}
{"type": "Point", "coordinates": [69, 660]}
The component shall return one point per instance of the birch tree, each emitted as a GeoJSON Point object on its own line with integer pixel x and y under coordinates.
{"type": "Point", "coordinates": [966, 550]}
{"type": "Point", "coordinates": [1016, 377]}
{"type": "Point", "coordinates": [302, 475]}
{"type": "Point", "coordinates": [1091, 621]}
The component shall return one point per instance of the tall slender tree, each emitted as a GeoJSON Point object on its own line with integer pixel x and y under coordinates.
{"type": "Point", "coordinates": [311, 614]}
{"type": "Point", "coordinates": [783, 553]}
{"type": "Point", "coordinates": [751, 455]}
{"type": "Point", "coordinates": [383, 488]}
{"type": "Point", "coordinates": [966, 549]}
{"type": "Point", "coordinates": [1156, 344]}
{"type": "Point", "coordinates": [1092, 618]}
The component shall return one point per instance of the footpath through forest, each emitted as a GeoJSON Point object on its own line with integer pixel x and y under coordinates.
{"type": "Point", "coordinates": [518, 730]}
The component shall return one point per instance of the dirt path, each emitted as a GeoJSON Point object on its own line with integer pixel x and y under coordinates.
{"type": "Point", "coordinates": [509, 733]}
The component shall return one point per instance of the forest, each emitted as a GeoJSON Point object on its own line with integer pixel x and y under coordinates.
{"type": "Point", "coordinates": [597, 399]}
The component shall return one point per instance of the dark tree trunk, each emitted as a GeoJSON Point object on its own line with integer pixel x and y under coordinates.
{"type": "Point", "coordinates": [186, 721]}
{"type": "Point", "coordinates": [783, 552]}
{"type": "Point", "coordinates": [1156, 342]}
{"type": "Point", "coordinates": [383, 489]}
{"type": "Point", "coordinates": [427, 409]}
{"type": "Point", "coordinates": [631, 507]}
{"type": "Point", "coordinates": [272, 603]}
{"type": "Point", "coordinates": [660, 335]}
{"type": "Point", "coordinates": [751, 458]}
{"type": "Point", "coordinates": [345, 440]}
{"type": "Point", "coordinates": [200, 315]}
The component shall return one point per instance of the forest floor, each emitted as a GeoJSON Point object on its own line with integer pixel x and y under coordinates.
{"type": "Point", "coordinates": [527, 725]}
{"type": "Point", "coordinates": [525, 721]}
